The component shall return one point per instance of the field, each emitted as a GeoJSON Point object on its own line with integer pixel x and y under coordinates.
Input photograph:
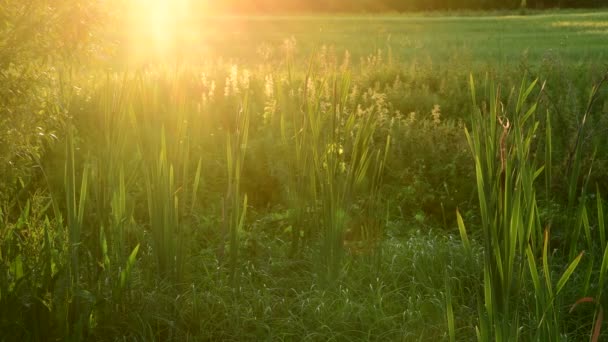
{"type": "Point", "coordinates": [306, 178]}
{"type": "Point", "coordinates": [495, 40]}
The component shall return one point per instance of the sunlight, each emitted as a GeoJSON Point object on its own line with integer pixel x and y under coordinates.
{"type": "Point", "coordinates": [155, 28]}
{"type": "Point", "coordinates": [582, 24]}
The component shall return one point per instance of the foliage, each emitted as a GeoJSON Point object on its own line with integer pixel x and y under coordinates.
{"type": "Point", "coordinates": [501, 141]}
{"type": "Point", "coordinates": [298, 198]}
{"type": "Point", "coordinates": [241, 6]}
{"type": "Point", "coordinates": [34, 88]}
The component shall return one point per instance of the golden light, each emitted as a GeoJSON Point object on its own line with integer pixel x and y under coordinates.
{"type": "Point", "coordinates": [156, 28]}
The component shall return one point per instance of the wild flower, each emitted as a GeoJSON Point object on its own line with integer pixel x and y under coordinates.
{"type": "Point", "coordinates": [397, 84]}
{"type": "Point", "coordinates": [436, 114]}
{"type": "Point", "coordinates": [211, 90]}
{"type": "Point", "coordinates": [227, 88]}
{"type": "Point", "coordinates": [379, 100]}
{"type": "Point", "coordinates": [322, 57]}
{"type": "Point", "coordinates": [345, 61]}
{"type": "Point", "coordinates": [204, 80]}
{"type": "Point", "coordinates": [232, 81]}
{"type": "Point", "coordinates": [265, 51]}
{"type": "Point", "coordinates": [373, 60]}
{"type": "Point", "coordinates": [269, 110]}
{"type": "Point", "coordinates": [268, 86]}
{"type": "Point", "coordinates": [310, 88]}
{"type": "Point", "coordinates": [271, 102]}
{"type": "Point", "coordinates": [245, 79]}
{"type": "Point", "coordinates": [334, 150]}
{"type": "Point", "coordinates": [360, 111]}
{"type": "Point", "coordinates": [289, 47]}
{"type": "Point", "coordinates": [353, 96]}
{"type": "Point", "coordinates": [411, 118]}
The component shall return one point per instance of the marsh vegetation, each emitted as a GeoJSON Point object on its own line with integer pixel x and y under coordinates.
{"type": "Point", "coordinates": [303, 178]}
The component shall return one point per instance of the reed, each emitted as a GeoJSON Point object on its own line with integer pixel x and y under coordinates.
{"type": "Point", "coordinates": [501, 143]}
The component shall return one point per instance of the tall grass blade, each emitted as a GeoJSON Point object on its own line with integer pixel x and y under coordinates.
{"type": "Point", "coordinates": [125, 275]}
{"type": "Point", "coordinates": [603, 272]}
{"type": "Point", "coordinates": [600, 218]}
{"type": "Point", "coordinates": [566, 276]}
{"type": "Point", "coordinates": [463, 233]}
{"type": "Point", "coordinates": [450, 311]}
{"type": "Point", "coordinates": [548, 156]}
{"type": "Point", "coordinates": [545, 260]}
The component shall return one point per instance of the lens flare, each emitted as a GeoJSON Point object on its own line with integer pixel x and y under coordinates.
{"type": "Point", "coordinates": [156, 28]}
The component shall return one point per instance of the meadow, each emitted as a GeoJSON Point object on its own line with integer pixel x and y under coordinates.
{"type": "Point", "coordinates": [308, 178]}
{"type": "Point", "coordinates": [488, 39]}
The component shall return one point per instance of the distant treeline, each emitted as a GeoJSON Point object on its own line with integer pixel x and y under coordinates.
{"type": "Point", "coordinates": [393, 5]}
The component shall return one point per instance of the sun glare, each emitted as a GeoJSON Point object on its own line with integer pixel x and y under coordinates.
{"type": "Point", "coordinates": [156, 28]}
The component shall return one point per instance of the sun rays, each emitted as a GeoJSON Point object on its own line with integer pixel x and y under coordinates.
{"type": "Point", "coordinates": [157, 28]}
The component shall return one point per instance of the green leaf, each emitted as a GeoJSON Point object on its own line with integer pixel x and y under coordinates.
{"type": "Point", "coordinates": [546, 264]}
{"type": "Point", "coordinates": [241, 222]}
{"type": "Point", "coordinates": [564, 278]}
{"type": "Point", "coordinates": [530, 88]}
{"type": "Point", "coordinates": [534, 272]}
{"type": "Point", "coordinates": [17, 267]}
{"type": "Point", "coordinates": [603, 269]}
{"type": "Point", "coordinates": [538, 172]}
{"type": "Point", "coordinates": [104, 248]}
{"type": "Point", "coordinates": [472, 86]}
{"type": "Point", "coordinates": [463, 233]}
{"type": "Point", "coordinates": [195, 185]}
{"type": "Point", "coordinates": [83, 195]}
{"type": "Point", "coordinates": [126, 273]}
{"type": "Point", "coordinates": [450, 310]}
{"type": "Point", "coordinates": [530, 112]}
{"type": "Point", "coordinates": [600, 218]}
{"type": "Point", "coordinates": [586, 226]}
{"type": "Point", "coordinates": [548, 155]}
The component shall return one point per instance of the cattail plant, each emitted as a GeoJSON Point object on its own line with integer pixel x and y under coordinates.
{"type": "Point", "coordinates": [163, 131]}
{"type": "Point", "coordinates": [501, 142]}
{"type": "Point", "coordinates": [234, 203]}
{"type": "Point", "coordinates": [336, 161]}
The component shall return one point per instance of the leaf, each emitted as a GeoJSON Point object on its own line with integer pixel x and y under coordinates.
{"type": "Point", "coordinates": [586, 225]}
{"type": "Point", "coordinates": [581, 300]}
{"type": "Point", "coordinates": [548, 154]}
{"type": "Point", "coordinates": [472, 86]}
{"type": "Point", "coordinates": [463, 232]}
{"type": "Point", "coordinates": [530, 88]}
{"type": "Point", "coordinates": [533, 272]}
{"type": "Point", "coordinates": [538, 172]}
{"type": "Point", "coordinates": [450, 311]}
{"type": "Point", "coordinates": [603, 269]}
{"type": "Point", "coordinates": [104, 248]}
{"type": "Point", "coordinates": [241, 222]}
{"type": "Point", "coordinates": [196, 184]}
{"type": "Point", "coordinates": [83, 195]}
{"type": "Point", "coordinates": [17, 267]}
{"type": "Point", "coordinates": [530, 112]}
{"type": "Point", "coordinates": [126, 273]}
{"type": "Point", "coordinates": [564, 278]}
{"type": "Point", "coordinates": [600, 218]}
{"type": "Point", "coordinates": [597, 327]}
{"type": "Point", "coordinates": [132, 257]}
{"type": "Point", "coordinates": [546, 264]}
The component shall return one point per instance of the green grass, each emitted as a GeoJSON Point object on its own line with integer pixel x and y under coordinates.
{"type": "Point", "coordinates": [496, 41]}
{"type": "Point", "coordinates": [299, 197]}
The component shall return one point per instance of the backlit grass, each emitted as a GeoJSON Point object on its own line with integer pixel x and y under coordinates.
{"type": "Point", "coordinates": [329, 178]}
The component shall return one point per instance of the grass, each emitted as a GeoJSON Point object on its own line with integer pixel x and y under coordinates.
{"type": "Point", "coordinates": [402, 194]}
{"type": "Point", "coordinates": [508, 208]}
{"type": "Point", "coordinates": [488, 40]}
